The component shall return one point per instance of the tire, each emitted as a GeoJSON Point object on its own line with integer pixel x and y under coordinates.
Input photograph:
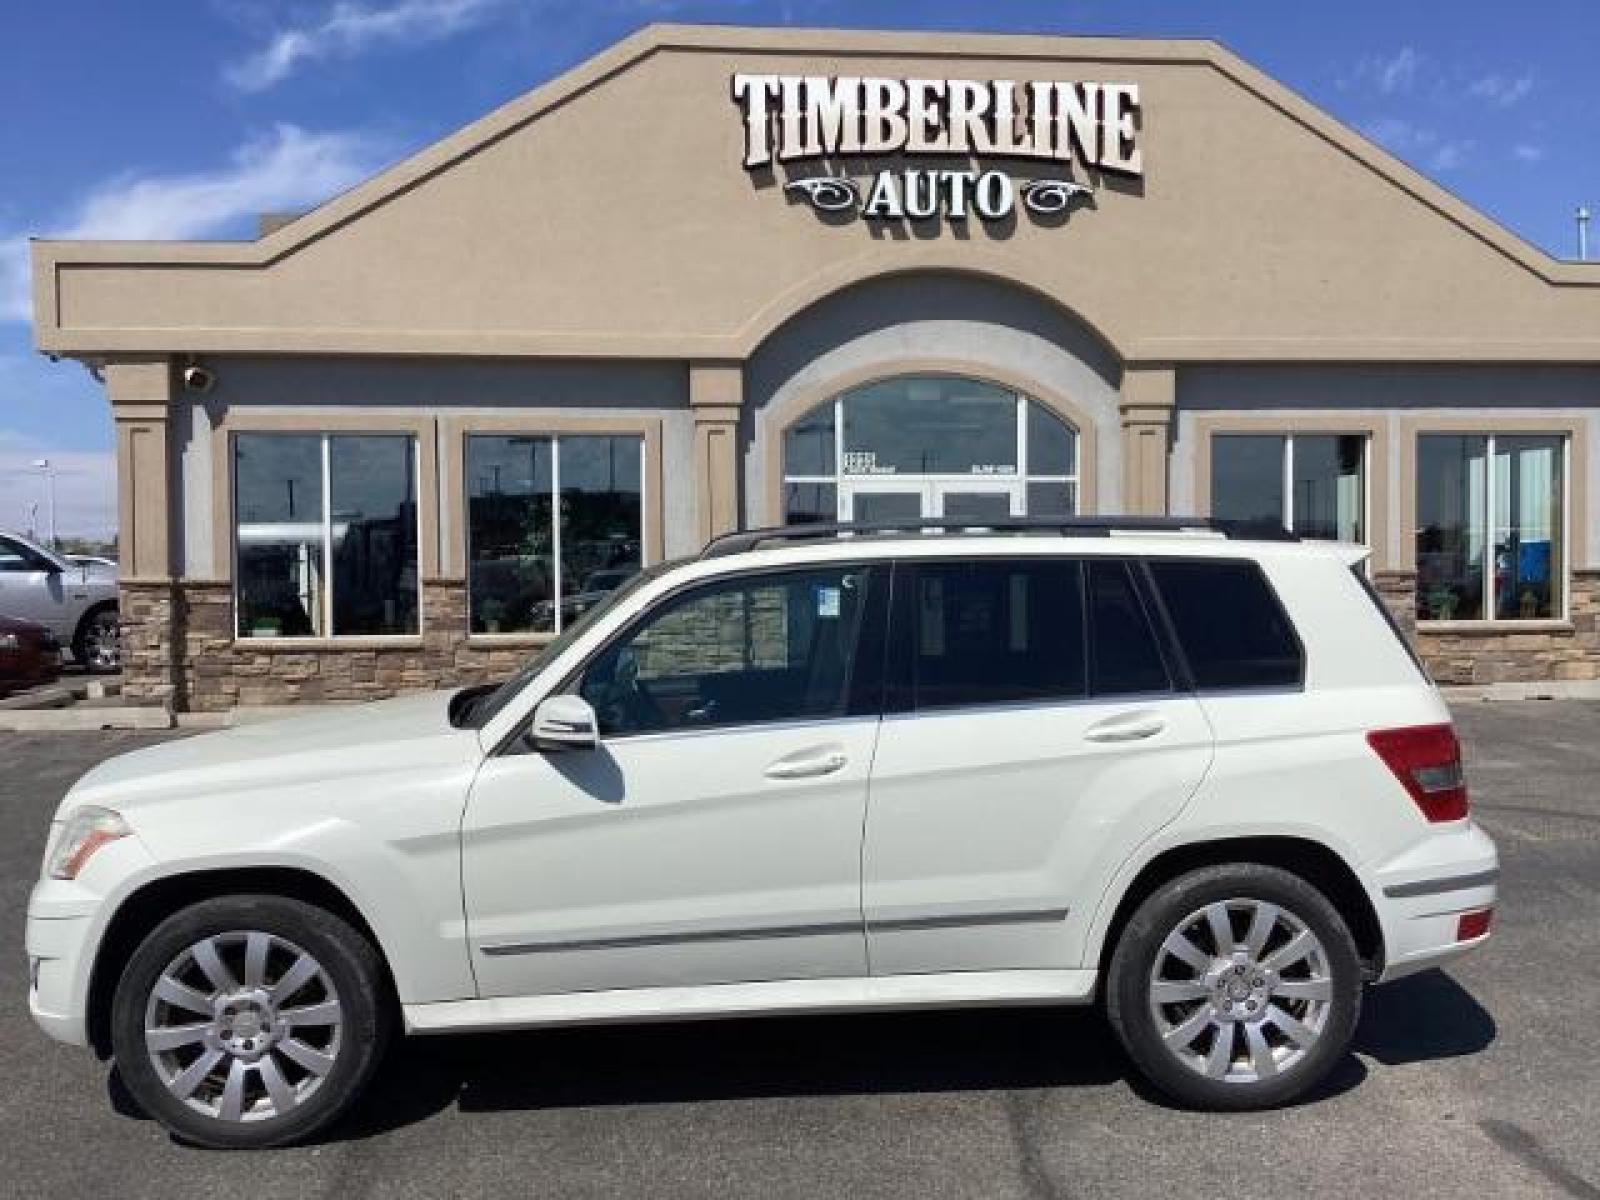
{"type": "Point", "coordinates": [1251, 1028]}
{"type": "Point", "coordinates": [97, 644]}
{"type": "Point", "coordinates": [245, 1067]}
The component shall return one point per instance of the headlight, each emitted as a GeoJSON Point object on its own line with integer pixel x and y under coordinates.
{"type": "Point", "coordinates": [10, 641]}
{"type": "Point", "coordinates": [87, 829]}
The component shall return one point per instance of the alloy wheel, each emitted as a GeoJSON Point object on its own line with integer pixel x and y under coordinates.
{"type": "Point", "coordinates": [1241, 990]}
{"type": "Point", "coordinates": [102, 644]}
{"type": "Point", "coordinates": [243, 1026]}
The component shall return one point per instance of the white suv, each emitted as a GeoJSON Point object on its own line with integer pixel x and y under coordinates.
{"type": "Point", "coordinates": [1194, 777]}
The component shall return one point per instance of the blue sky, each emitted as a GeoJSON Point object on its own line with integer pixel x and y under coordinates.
{"type": "Point", "coordinates": [185, 118]}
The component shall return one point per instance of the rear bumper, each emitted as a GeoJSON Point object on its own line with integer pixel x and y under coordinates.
{"type": "Point", "coordinates": [1423, 893]}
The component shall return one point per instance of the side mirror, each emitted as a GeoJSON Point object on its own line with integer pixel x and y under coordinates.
{"type": "Point", "coordinates": [565, 723]}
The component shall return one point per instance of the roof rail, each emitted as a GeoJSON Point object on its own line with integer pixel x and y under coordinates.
{"type": "Point", "coordinates": [744, 540]}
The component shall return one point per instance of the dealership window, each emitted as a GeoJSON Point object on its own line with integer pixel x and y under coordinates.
{"type": "Point", "coordinates": [1490, 527]}
{"type": "Point", "coordinates": [553, 524]}
{"type": "Point", "coordinates": [924, 446]}
{"type": "Point", "coordinates": [325, 534]}
{"type": "Point", "coordinates": [1311, 483]}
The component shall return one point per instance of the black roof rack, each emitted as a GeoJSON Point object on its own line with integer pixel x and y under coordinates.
{"type": "Point", "coordinates": [750, 539]}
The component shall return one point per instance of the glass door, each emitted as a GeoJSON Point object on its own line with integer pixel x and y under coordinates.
{"type": "Point", "coordinates": [977, 501]}
{"type": "Point", "coordinates": [878, 501]}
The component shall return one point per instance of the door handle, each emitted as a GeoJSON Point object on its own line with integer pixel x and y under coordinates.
{"type": "Point", "coordinates": [807, 764]}
{"type": "Point", "coordinates": [1130, 727]}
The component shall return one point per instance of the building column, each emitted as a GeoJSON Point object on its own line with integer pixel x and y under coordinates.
{"type": "Point", "coordinates": [716, 393]}
{"type": "Point", "coordinates": [141, 391]}
{"type": "Point", "coordinates": [1149, 395]}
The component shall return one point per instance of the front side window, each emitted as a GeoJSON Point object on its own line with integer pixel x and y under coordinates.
{"type": "Point", "coordinates": [992, 631]}
{"type": "Point", "coordinates": [1490, 527]}
{"type": "Point", "coordinates": [782, 646]}
{"type": "Point", "coordinates": [1312, 484]}
{"type": "Point", "coordinates": [1231, 628]}
{"type": "Point", "coordinates": [325, 534]}
{"type": "Point", "coordinates": [15, 558]}
{"type": "Point", "coordinates": [554, 524]}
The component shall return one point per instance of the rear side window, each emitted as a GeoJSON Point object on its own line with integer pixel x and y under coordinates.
{"type": "Point", "coordinates": [993, 631]}
{"type": "Point", "coordinates": [1229, 624]}
{"type": "Point", "coordinates": [1123, 655]}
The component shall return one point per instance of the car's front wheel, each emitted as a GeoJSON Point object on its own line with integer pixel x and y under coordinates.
{"type": "Point", "coordinates": [249, 1021]}
{"type": "Point", "coordinates": [1235, 987]}
{"type": "Point", "coordinates": [98, 643]}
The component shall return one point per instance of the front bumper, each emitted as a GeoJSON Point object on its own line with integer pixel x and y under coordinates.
{"type": "Point", "coordinates": [1422, 894]}
{"type": "Point", "coordinates": [67, 921]}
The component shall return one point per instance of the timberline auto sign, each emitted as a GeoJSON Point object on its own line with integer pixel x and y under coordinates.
{"type": "Point", "coordinates": [796, 118]}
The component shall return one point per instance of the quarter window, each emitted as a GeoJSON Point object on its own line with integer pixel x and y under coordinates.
{"type": "Point", "coordinates": [553, 525]}
{"type": "Point", "coordinates": [1232, 629]}
{"type": "Point", "coordinates": [325, 534]}
{"type": "Point", "coordinates": [1490, 527]}
{"type": "Point", "coordinates": [993, 632]}
{"type": "Point", "coordinates": [772, 647]}
{"type": "Point", "coordinates": [1310, 483]}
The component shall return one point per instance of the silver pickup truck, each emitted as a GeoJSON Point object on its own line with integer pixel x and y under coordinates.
{"type": "Point", "coordinates": [77, 602]}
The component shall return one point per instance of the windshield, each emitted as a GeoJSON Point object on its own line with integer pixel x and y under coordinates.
{"type": "Point", "coordinates": [488, 706]}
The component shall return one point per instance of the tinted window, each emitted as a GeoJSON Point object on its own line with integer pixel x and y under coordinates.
{"type": "Point", "coordinates": [771, 647]}
{"type": "Point", "coordinates": [1123, 655]}
{"type": "Point", "coordinates": [993, 632]}
{"type": "Point", "coordinates": [15, 557]}
{"type": "Point", "coordinates": [1231, 627]}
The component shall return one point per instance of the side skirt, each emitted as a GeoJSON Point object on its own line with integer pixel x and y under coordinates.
{"type": "Point", "coordinates": [955, 989]}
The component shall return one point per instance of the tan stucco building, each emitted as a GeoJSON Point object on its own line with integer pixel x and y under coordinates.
{"type": "Point", "coordinates": [693, 284]}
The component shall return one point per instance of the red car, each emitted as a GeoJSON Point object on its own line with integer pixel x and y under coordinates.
{"type": "Point", "coordinates": [29, 653]}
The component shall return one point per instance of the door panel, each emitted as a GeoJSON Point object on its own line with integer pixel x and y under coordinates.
{"type": "Point", "coordinates": [29, 591]}
{"type": "Point", "coordinates": [987, 829]}
{"type": "Point", "coordinates": [1017, 768]}
{"type": "Point", "coordinates": [670, 859]}
{"type": "Point", "coordinates": [714, 836]}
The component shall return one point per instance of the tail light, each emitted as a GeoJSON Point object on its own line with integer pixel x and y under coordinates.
{"type": "Point", "coordinates": [1426, 759]}
{"type": "Point", "coordinates": [1474, 925]}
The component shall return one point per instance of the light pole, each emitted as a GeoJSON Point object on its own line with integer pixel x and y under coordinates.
{"type": "Point", "coordinates": [43, 464]}
{"type": "Point", "coordinates": [1583, 234]}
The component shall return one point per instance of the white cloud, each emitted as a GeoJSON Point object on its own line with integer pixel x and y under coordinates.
{"type": "Point", "coordinates": [1419, 143]}
{"type": "Point", "coordinates": [349, 29]}
{"type": "Point", "coordinates": [85, 488]}
{"type": "Point", "coordinates": [290, 168]}
{"type": "Point", "coordinates": [1386, 74]}
{"type": "Point", "coordinates": [1503, 91]}
{"type": "Point", "coordinates": [1527, 152]}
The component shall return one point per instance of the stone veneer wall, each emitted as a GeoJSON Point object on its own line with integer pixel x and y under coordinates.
{"type": "Point", "coordinates": [1505, 655]}
{"type": "Point", "coordinates": [179, 652]}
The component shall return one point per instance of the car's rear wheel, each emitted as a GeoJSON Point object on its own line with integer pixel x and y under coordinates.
{"type": "Point", "coordinates": [98, 642]}
{"type": "Point", "coordinates": [249, 1021]}
{"type": "Point", "coordinates": [1235, 987]}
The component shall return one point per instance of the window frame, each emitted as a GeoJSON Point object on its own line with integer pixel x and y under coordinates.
{"type": "Point", "coordinates": [1286, 470]}
{"type": "Point", "coordinates": [1567, 436]}
{"type": "Point", "coordinates": [865, 690]}
{"type": "Point", "coordinates": [324, 433]}
{"type": "Point", "coordinates": [646, 546]}
{"type": "Point", "coordinates": [1022, 477]}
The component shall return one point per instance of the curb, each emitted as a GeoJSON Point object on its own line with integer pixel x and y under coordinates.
{"type": "Point", "coordinates": [84, 719]}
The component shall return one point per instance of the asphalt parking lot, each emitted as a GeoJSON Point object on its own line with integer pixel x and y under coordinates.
{"type": "Point", "coordinates": [1484, 1079]}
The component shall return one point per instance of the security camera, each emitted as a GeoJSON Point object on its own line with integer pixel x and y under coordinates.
{"type": "Point", "coordinates": [198, 379]}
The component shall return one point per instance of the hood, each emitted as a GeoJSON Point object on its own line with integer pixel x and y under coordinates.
{"type": "Point", "coordinates": [355, 741]}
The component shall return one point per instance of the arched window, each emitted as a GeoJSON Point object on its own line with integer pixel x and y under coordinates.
{"type": "Point", "coordinates": [917, 446]}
